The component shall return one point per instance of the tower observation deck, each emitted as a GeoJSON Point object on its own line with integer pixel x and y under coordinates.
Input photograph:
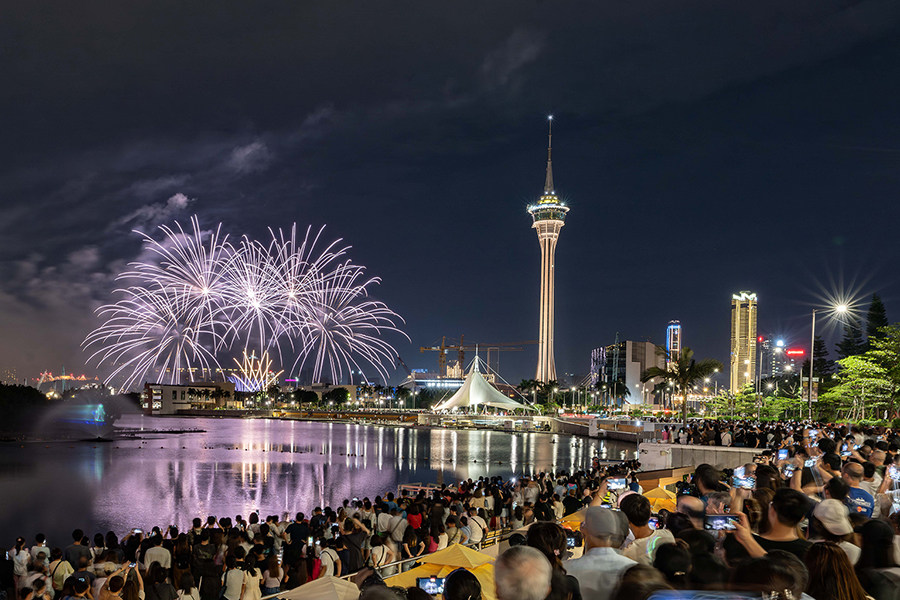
{"type": "Point", "coordinates": [549, 216]}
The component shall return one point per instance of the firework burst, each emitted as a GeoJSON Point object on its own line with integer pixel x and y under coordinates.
{"type": "Point", "coordinates": [200, 296]}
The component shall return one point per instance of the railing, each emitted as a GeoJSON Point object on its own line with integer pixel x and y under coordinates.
{"type": "Point", "coordinates": [491, 538]}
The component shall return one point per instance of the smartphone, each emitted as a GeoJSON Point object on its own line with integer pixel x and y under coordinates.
{"type": "Point", "coordinates": [813, 434]}
{"type": "Point", "coordinates": [845, 453]}
{"type": "Point", "coordinates": [783, 454]}
{"type": "Point", "coordinates": [653, 523]}
{"type": "Point", "coordinates": [309, 541]}
{"type": "Point", "coordinates": [810, 462]}
{"type": "Point", "coordinates": [720, 522]}
{"type": "Point", "coordinates": [894, 473]}
{"type": "Point", "coordinates": [856, 446]}
{"type": "Point", "coordinates": [744, 483]}
{"type": "Point", "coordinates": [570, 542]}
{"type": "Point", "coordinates": [788, 470]}
{"type": "Point", "coordinates": [431, 585]}
{"type": "Point", "coordinates": [739, 472]}
{"type": "Point", "coordinates": [615, 484]}
{"type": "Point", "coordinates": [132, 565]}
{"type": "Point", "coordinates": [135, 530]}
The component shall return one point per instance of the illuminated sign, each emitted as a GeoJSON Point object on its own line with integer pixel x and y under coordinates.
{"type": "Point", "coordinates": [795, 352]}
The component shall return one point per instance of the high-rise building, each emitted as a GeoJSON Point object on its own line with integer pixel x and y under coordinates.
{"type": "Point", "coordinates": [743, 340]}
{"type": "Point", "coordinates": [626, 362]}
{"type": "Point", "coordinates": [549, 216]}
{"type": "Point", "coordinates": [673, 341]}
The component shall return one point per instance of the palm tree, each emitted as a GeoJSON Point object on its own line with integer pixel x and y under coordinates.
{"type": "Point", "coordinates": [617, 390]}
{"type": "Point", "coordinates": [684, 372]}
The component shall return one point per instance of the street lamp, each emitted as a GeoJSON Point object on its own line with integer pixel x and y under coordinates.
{"type": "Point", "coordinates": [839, 309]}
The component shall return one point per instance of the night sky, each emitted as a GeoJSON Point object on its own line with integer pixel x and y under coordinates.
{"type": "Point", "coordinates": [704, 148]}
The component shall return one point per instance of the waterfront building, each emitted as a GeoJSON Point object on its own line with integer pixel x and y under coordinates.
{"type": "Point", "coordinates": [626, 362]}
{"type": "Point", "coordinates": [166, 399]}
{"type": "Point", "coordinates": [673, 342]}
{"type": "Point", "coordinates": [743, 340]}
{"type": "Point", "coordinates": [548, 218]}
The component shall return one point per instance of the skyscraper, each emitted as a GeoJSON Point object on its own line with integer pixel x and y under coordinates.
{"type": "Point", "coordinates": [673, 341]}
{"type": "Point", "coordinates": [549, 216]}
{"type": "Point", "coordinates": [743, 340]}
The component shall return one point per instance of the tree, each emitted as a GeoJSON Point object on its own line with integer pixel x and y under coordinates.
{"type": "Point", "coordinates": [875, 319]}
{"type": "Point", "coordinates": [684, 372]}
{"type": "Point", "coordinates": [862, 384]}
{"type": "Point", "coordinates": [617, 390]}
{"type": "Point", "coordinates": [886, 353]}
{"type": "Point", "coordinates": [822, 365]}
{"type": "Point", "coordinates": [852, 343]}
{"type": "Point", "coordinates": [338, 395]}
{"type": "Point", "coordinates": [272, 391]}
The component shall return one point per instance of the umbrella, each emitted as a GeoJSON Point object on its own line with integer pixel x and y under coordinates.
{"type": "Point", "coordinates": [324, 588]}
{"type": "Point", "coordinates": [661, 498]}
{"type": "Point", "coordinates": [443, 562]}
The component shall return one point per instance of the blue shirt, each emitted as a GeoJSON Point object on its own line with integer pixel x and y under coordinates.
{"type": "Point", "coordinates": [860, 501]}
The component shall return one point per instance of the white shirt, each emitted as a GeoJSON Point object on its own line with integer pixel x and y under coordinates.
{"type": "Point", "coordinates": [329, 560]}
{"type": "Point", "coordinates": [478, 527]}
{"type": "Point", "coordinates": [598, 572]}
{"type": "Point", "coordinates": [644, 550]}
{"type": "Point", "coordinates": [158, 554]}
{"type": "Point", "coordinates": [384, 522]}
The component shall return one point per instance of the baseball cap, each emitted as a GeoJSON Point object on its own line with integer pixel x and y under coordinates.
{"type": "Point", "coordinates": [833, 516]}
{"type": "Point", "coordinates": [600, 522]}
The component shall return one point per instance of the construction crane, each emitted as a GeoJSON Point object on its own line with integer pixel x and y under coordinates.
{"type": "Point", "coordinates": [461, 349]}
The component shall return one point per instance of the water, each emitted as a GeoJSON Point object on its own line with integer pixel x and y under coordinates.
{"type": "Point", "coordinates": [237, 465]}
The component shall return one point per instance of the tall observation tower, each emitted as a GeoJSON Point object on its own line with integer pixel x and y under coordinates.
{"type": "Point", "coordinates": [549, 216]}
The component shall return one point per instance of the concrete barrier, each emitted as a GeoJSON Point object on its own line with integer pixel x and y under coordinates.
{"type": "Point", "coordinates": [655, 456]}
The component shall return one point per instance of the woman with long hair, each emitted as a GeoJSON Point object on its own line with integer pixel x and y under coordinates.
{"type": "Point", "coordinates": [412, 547]}
{"type": "Point", "coordinates": [674, 562]}
{"type": "Point", "coordinates": [831, 577]}
{"type": "Point", "coordinates": [552, 541]}
{"type": "Point", "coordinates": [187, 590]}
{"type": "Point", "coordinates": [877, 567]}
{"type": "Point", "coordinates": [133, 589]}
{"type": "Point", "coordinates": [271, 577]}
{"type": "Point", "coordinates": [21, 557]}
{"type": "Point", "coordinates": [252, 578]}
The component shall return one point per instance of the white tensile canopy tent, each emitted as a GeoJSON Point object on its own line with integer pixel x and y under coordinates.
{"type": "Point", "coordinates": [475, 392]}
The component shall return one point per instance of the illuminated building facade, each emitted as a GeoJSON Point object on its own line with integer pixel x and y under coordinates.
{"type": "Point", "coordinates": [549, 216]}
{"type": "Point", "coordinates": [673, 341]}
{"type": "Point", "coordinates": [743, 340]}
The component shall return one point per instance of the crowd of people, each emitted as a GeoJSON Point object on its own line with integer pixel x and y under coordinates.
{"type": "Point", "coordinates": [814, 515]}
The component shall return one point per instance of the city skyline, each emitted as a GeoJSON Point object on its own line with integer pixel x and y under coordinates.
{"type": "Point", "coordinates": [769, 166]}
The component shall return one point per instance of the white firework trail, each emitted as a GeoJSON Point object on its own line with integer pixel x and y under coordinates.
{"type": "Point", "coordinates": [201, 296]}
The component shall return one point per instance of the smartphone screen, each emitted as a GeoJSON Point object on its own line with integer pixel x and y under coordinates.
{"type": "Point", "coordinates": [720, 522]}
{"type": "Point", "coordinates": [783, 454]}
{"type": "Point", "coordinates": [809, 462]}
{"type": "Point", "coordinates": [431, 585]}
{"type": "Point", "coordinates": [653, 523]}
{"type": "Point", "coordinates": [845, 453]}
{"type": "Point", "coordinates": [894, 473]}
{"type": "Point", "coordinates": [739, 472]}
{"type": "Point", "coordinates": [570, 542]}
{"type": "Point", "coordinates": [744, 483]}
{"type": "Point", "coordinates": [617, 483]}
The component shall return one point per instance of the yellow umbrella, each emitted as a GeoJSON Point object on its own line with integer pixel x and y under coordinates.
{"type": "Point", "coordinates": [661, 498]}
{"type": "Point", "coordinates": [324, 588]}
{"type": "Point", "coordinates": [443, 562]}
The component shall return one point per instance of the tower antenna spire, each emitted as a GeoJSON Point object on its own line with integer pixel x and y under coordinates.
{"type": "Point", "coordinates": [548, 182]}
